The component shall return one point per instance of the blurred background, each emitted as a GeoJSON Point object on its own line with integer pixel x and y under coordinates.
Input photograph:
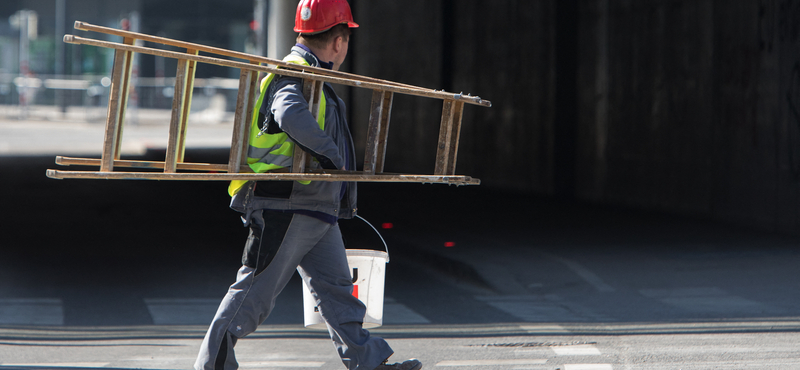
{"type": "Point", "coordinates": [685, 107]}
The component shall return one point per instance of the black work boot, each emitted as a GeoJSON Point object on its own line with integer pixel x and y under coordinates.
{"type": "Point", "coordinates": [412, 364]}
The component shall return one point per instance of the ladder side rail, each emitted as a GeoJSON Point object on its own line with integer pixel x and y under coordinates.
{"type": "Point", "coordinates": [83, 26]}
{"type": "Point", "coordinates": [281, 71]}
{"type": "Point", "coordinates": [354, 177]}
{"type": "Point", "coordinates": [208, 167]}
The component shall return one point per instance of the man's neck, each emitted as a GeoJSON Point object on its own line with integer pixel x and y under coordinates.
{"type": "Point", "coordinates": [322, 55]}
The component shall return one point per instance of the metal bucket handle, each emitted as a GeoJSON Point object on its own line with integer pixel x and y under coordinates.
{"type": "Point", "coordinates": [386, 247]}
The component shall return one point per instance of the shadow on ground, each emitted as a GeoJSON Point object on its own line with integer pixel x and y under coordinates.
{"type": "Point", "coordinates": [103, 245]}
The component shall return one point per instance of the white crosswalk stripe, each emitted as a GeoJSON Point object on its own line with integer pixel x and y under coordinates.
{"type": "Point", "coordinates": [291, 364]}
{"type": "Point", "coordinates": [704, 299]}
{"type": "Point", "coordinates": [588, 367]}
{"type": "Point", "coordinates": [535, 308]}
{"type": "Point", "coordinates": [31, 311]}
{"type": "Point", "coordinates": [85, 365]}
{"type": "Point", "coordinates": [576, 350]}
{"type": "Point", "coordinates": [181, 311]}
{"type": "Point", "coordinates": [514, 362]}
{"type": "Point", "coordinates": [399, 314]}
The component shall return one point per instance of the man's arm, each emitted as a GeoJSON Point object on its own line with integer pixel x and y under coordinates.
{"type": "Point", "coordinates": [290, 110]}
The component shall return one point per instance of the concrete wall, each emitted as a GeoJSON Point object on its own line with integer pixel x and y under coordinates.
{"type": "Point", "coordinates": [686, 106]}
{"type": "Point", "coordinates": [690, 106]}
{"type": "Point", "coordinates": [502, 52]}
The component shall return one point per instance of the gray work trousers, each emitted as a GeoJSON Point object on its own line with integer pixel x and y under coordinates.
{"type": "Point", "coordinates": [278, 244]}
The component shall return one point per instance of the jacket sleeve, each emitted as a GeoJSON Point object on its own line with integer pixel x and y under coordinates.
{"type": "Point", "coordinates": [290, 110]}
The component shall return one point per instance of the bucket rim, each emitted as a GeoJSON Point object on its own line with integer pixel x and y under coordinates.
{"type": "Point", "coordinates": [367, 253]}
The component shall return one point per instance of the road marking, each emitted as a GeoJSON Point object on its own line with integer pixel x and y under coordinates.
{"type": "Point", "coordinates": [399, 314]}
{"type": "Point", "coordinates": [683, 292]}
{"type": "Point", "coordinates": [86, 365]}
{"type": "Point", "coordinates": [587, 275]}
{"type": "Point", "coordinates": [577, 350]}
{"type": "Point", "coordinates": [516, 362]}
{"type": "Point", "coordinates": [31, 311]}
{"type": "Point", "coordinates": [704, 299]}
{"type": "Point", "coordinates": [530, 308]}
{"type": "Point", "coordinates": [282, 364]}
{"type": "Point", "coordinates": [182, 311]}
{"type": "Point", "coordinates": [544, 328]}
{"type": "Point", "coordinates": [534, 308]}
{"type": "Point", "coordinates": [500, 278]}
{"type": "Point", "coordinates": [588, 367]}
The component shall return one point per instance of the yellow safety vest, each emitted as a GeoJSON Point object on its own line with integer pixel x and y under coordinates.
{"type": "Point", "coordinates": [267, 152]}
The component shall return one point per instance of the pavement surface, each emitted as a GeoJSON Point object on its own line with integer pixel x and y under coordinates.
{"type": "Point", "coordinates": [127, 275]}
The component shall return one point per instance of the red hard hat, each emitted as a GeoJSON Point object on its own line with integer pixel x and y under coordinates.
{"type": "Point", "coordinates": [315, 16]}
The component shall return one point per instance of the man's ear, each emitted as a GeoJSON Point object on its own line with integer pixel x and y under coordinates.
{"type": "Point", "coordinates": [337, 44]}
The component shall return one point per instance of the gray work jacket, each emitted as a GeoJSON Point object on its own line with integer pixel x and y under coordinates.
{"type": "Point", "coordinates": [328, 146]}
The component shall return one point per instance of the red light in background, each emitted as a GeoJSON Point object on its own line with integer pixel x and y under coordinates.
{"type": "Point", "coordinates": [387, 225]}
{"type": "Point", "coordinates": [449, 244]}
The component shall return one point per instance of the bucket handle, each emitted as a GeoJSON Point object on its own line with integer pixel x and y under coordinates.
{"type": "Point", "coordinates": [379, 235]}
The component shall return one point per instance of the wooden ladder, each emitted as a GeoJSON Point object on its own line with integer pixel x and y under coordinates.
{"type": "Point", "coordinates": [250, 67]}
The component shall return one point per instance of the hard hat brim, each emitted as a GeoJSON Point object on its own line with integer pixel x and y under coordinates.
{"type": "Point", "coordinates": [348, 23]}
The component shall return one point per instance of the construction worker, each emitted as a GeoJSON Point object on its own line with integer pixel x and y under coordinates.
{"type": "Point", "coordinates": [293, 225]}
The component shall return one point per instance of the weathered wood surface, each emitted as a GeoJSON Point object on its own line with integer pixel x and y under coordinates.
{"type": "Point", "coordinates": [181, 102]}
{"type": "Point", "coordinates": [312, 176]}
{"type": "Point", "coordinates": [117, 101]}
{"type": "Point", "coordinates": [402, 89]}
{"type": "Point", "coordinates": [208, 167]}
{"type": "Point", "coordinates": [83, 26]}
{"type": "Point", "coordinates": [241, 121]}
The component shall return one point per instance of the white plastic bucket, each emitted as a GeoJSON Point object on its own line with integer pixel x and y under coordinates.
{"type": "Point", "coordinates": [368, 269]}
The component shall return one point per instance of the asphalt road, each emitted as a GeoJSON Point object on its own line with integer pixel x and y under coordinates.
{"type": "Point", "coordinates": [127, 274]}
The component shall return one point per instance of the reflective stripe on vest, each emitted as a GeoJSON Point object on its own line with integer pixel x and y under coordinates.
{"type": "Point", "coordinates": [267, 152]}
